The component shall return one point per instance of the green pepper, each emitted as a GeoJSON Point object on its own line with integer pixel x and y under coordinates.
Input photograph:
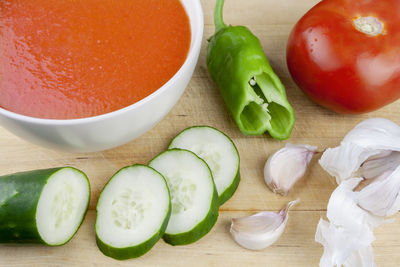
{"type": "Point", "coordinates": [250, 88]}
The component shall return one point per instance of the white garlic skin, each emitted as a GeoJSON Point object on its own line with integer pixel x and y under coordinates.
{"type": "Point", "coordinates": [286, 166]}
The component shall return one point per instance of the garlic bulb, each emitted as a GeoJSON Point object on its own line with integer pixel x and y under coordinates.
{"type": "Point", "coordinates": [371, 150]}
{"type": "Point", "coordinates": [286, 166]}
{"type": "Point", "coordinates": [369, 139]}
{"type": "Point", "coordinates": [260, 230]}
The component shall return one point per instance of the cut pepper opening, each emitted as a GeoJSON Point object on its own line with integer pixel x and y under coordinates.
{"type": "Point", "coordinates": [254, 118]}
{"type": "Point", "coordinates": [269, 111]}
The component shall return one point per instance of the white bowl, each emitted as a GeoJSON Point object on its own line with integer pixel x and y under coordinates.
{"type": "Point", "coordinates": [119, 127]}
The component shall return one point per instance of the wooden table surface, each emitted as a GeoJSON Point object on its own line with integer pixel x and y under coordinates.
{"type": "Point", "coordinates": [201, 104]}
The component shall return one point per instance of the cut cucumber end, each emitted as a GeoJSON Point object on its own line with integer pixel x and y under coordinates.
{"type": "Point", "coordinates": [62, 206]}
{"type": "Point", "coordinates": [193, 195]}
{"type": "Point", "coordinates": [132, 212]}
{"type": "Point", "coordinates": [218, 151]}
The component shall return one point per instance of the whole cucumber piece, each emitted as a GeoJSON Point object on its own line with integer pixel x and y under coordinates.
{"type": "Point", "coordinates": [43, 206]}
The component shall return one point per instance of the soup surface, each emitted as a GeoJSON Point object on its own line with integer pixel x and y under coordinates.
{"type": "Point", "coordinates": [66, 59]}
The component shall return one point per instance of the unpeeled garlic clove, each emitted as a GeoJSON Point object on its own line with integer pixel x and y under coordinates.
{"type": "Point", "coordinates": [381, 197]}
{"type": "Point", "coordinates": [286, 166]}
{"type": "Point", "coordinates": [375, 166]}
{"type": "Point", "coordinates": [260, 230]}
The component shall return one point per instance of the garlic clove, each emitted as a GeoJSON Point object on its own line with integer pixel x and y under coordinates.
{"type": "Point", "coordinates": [260, 230]}
{"type": "Point", "coordinates": [375, 166]}
{"type": "Point", "coordinates": [382, 196]}
{"type": "Point", "coordinates": [286, 166]}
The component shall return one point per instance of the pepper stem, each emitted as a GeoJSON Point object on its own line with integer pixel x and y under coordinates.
{"type": "Point", "coordinates": [218, 17]}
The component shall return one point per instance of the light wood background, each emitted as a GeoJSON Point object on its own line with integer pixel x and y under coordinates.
{"type": "Point", "coordinates": [201, 104]}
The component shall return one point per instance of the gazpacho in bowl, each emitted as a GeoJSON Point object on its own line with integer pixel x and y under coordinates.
{"type": "Point", "coordinates": [87, 75]}
{"type": "Point", "coordinates": [70, 59]}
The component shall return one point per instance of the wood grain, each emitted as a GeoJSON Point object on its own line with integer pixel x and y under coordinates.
{"type": "Point", "coordinates": [201, 104]}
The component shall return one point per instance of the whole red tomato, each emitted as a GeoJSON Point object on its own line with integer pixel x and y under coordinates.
{"type": "Point", "coordinates": [345, 54]}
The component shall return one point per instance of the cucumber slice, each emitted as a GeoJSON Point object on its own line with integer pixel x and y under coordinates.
{"type": "Point", "coordinates": [132, 212]}
{"type": "Point", "coordinates": [220, 153]}
{"type": "Point", "coordinates": [43, 206]}
{"type": "Point", "coordinates": [193, 195]}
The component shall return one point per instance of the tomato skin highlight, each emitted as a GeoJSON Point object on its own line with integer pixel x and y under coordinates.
{"type": "Point", "coordinates": [341, 67]}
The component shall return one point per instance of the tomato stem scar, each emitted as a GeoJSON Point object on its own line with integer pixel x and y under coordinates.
{"type": "Point", "coordinates": [369, 25]}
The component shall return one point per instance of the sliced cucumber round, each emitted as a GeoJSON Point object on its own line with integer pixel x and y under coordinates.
{"type": "Point", "coordinates": [220, 153]}
{"type": "Point", "coordinates": [43, 206]}
{"type": "Point", "coordinates": [193, 195]}
{"type": "Point", "coordinates": [132, 212]}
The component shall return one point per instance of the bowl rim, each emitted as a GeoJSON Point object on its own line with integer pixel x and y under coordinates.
{"type": "Point", "coordinates": [195, 46]}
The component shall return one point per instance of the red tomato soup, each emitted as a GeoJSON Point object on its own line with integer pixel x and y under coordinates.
{"type": "Point", "coordinates": [69, 59]}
